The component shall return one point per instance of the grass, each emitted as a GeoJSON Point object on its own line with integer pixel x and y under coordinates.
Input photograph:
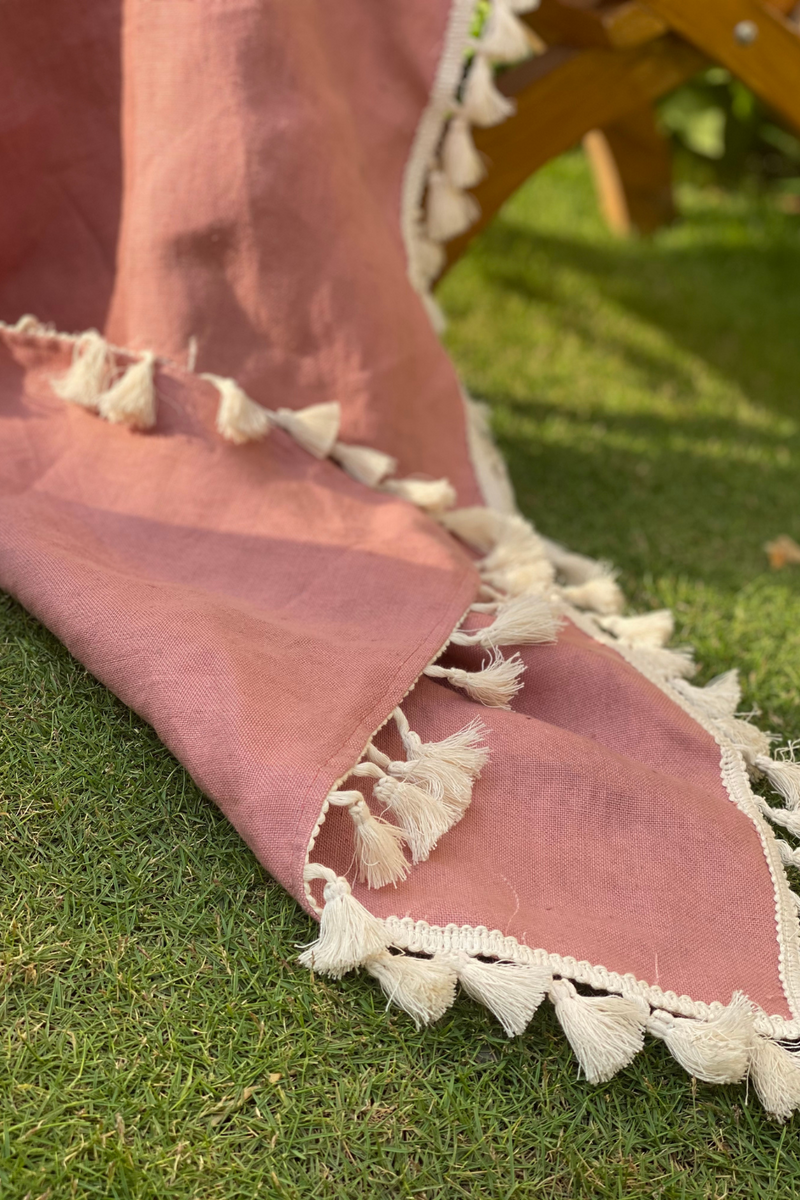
{"type": "Point", "coordinates": [156, 1038]}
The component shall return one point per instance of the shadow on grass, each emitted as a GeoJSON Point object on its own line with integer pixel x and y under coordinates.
{"type": "Point", "coordinates": [736, 306]}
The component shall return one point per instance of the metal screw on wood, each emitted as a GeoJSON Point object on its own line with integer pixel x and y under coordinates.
{"type": "Point", "coordinates": [745, 32]}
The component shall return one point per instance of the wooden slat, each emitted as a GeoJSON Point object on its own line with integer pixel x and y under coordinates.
{"type": "Point", "coordinates": [770, 65]}
{"type": "Point", "coordinates": [622, 25]}
{"type": "Point", "coordinates": [560, 97]}
{"type": "Point", "coordinates": [632, 167]}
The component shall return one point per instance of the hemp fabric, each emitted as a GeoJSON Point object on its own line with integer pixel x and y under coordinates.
{"type": "Point", "coordinates": [220, 182]}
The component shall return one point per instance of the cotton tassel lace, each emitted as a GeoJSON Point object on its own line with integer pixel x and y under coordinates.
{"type": "Point", "coordinates": [422, 987]}
{"type": "Point", "coordinates": [378, 844]}
{"type": "Point", "coordinates": [651, 629]}
{"type": "Point", "coordinates": [349, 935]}
{"type": "Point", "coordinates": [449, 210]}
{"type": "Point", "coordinates": [511, 991]}
{"type": "Point", "coordinates": [716, 1050]}
{"type": "Point", "coordinates": [239, 419]}
{"type": "Point", "coordinates": [719, 698]}
{"type": "Point", "coordinates": [448, 768]}
{"type": "Point", "coordinates": [504, 38]}
{"type": "Point", "coordinates": [315, 428]}
{"type": "Point", "coordinates": [605, 1032]}
{"type": "Point", "coordinates": [368, 466]}
{"type": "Point", "coordinates": [422, 816]}
{"type": "Point", "coordinates": [481, 102]}
{"type": "Point", "coordinates": [783, 775]}
{"type": "Point", "coordinates": [432, 495]}
{"type": "Point", "coordinates": [495, 685]}
{"type": "Point", "coordinates": [91, 371]}
{"type": "Point", "coordinates": [775, 1074]}
{"type": "Point", "coordinates": [525, 620]}
{"type": "Point", "coordinates": [462, 163]}
{"type": "Point", "coordinates": [131, 400]}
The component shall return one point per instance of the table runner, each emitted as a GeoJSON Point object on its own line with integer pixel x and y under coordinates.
{"type": "Point", "coordinates": [246, 491]}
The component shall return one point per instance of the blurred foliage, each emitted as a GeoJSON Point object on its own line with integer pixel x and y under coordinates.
{"type": "Point", "coordinates": [725, 135]}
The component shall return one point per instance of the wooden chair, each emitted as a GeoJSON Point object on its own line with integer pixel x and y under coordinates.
{"type": "Point", "coordinates": [600, 69]}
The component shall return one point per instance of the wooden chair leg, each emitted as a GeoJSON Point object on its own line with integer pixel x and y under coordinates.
{"type": "Point", "coordinates": [632, 167]}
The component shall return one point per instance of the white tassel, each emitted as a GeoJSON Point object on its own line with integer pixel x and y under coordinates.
{"type": "Point", "coordinates": [363, 463]}
{"type": "Point", "coordinates": [90, 373]}
{"type": "Point", "coordinates": [131, 400]}
{"type": "Point", "coordinates": [668, 664]}
{"type": "Point", "coordinates": [526, 620]}
{"type": "Point", "coordinates": [495, 685]}
{"type": "Point", "coordinates": [481, 528]}
{"type": "Point", "coordinates": [504, 39]}
{"type": "Point", "coordinates": [429, 258]}
{"type": "Point", "coordinates": [447, 769]}
{"type": "Point", "coordinates": [605, 1032]}
{"type": "Point", "coordinates": [431, 495]}
{"type": "Point", "coordinates": [462, 163]}
{"type": "Point", "coordinates": [378, 845]}
{"type": "Point", "coordinates": [789, 857]}
{"type": "Point", "coordinates": [749, 740]}
{"type": "Point", "coordinates": [523, 6]}
{"type": "Point", "coordinates": [576, 568]}
{"type": "Point", "coordinates": [423, 817]}
{"type": "Point", "coordinates": [648, 629]}
{"type": "Point", "coordinates": [600, 595]}
{"type": "Point", "coordinates": [315, 428]}
{"type": "Point", "coordinates": [775, 1073]}
{"type": "Point", "coordinates": [719, 698]}
{"type": "Point", "coordinates": [423, 987]}
{"type": "Point", "coordinates": [482, 104]}
{"type": "Point", "coordinates": [239, 419]}
{"type": "Point", "coordinates": [518, 562]}
{"type": "Point", "coordinates": [785, 817]}
{"type": "Point", "coordinates": [511, 991]}
{"type": "Point", "coordinates": [716, 1050]}
{"type": "Point", "coordinates": [31, 325]}
{"type": "Point", "coordinates": [435, 315]}
{"type": "Point", "coordinates": [348, 933]}
{"type": "Point", "coordinates": [449, 210]}
{"type": "Point", "coordinates": [784, 777]}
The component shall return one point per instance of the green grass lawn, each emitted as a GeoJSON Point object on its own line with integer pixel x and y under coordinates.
{"type": "Point", "coordinates": [158, 1040]}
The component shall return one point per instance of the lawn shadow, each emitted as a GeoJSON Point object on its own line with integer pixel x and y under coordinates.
{"type": "Point", "coordinates": [734, 305]}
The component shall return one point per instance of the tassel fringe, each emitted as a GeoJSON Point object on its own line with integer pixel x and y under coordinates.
{"type": "Point", "coordinates": [363, 463]}
{"type": "Point", "coordinates": [511, 991]}
{"type": "Point", "coordinates": [526, 620]}
{"type": "Point", "coordinates": [719, 698]}
{"type": "Point", "coordinates": [378, 845]}
{"type": "Point", "coordinates": [91, 371]}
{"type": "Point", "coordinates": [462, 163]}
{"type": "Point", "coordinates": [315, 428]}
{"type": "Point", "coordinates": [716, 1050]}
{"type": "Point", "coordinates": [446, 769]}
{"type": "Point", "coordinates": [131, 400]}
{"type": "Point", "coordinates": [504, 38]}
{"type": "Point", "coordinates": [423, 987]}
{"type": "Point", "coordinates": [775, 1073]}
{"type": "Point", "coordinates": [239, 419]}
{"type": "Point", "coordinates": [349, 935]}
{"type": "Point", "coordinates": [481, 103]}
{"type": "Point", "coordinates": [423, 817]}
{"type": "Point", "coordinates": [783, 775]}
{"type": "Point", "coordinates": [601, 595]}
{"type": "Point", "coordinates": [650, 629]}
{"type": "Point", "coordinates": [749, 740]}
{"type": "Point", "coordinates": [431, 495]}
{"type": "Point", "coordinates": [605, 1032]}
{"type": "Point", "coordinates": [495, 685]}
{"type": "Point", "coordinates": [449, 210]}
